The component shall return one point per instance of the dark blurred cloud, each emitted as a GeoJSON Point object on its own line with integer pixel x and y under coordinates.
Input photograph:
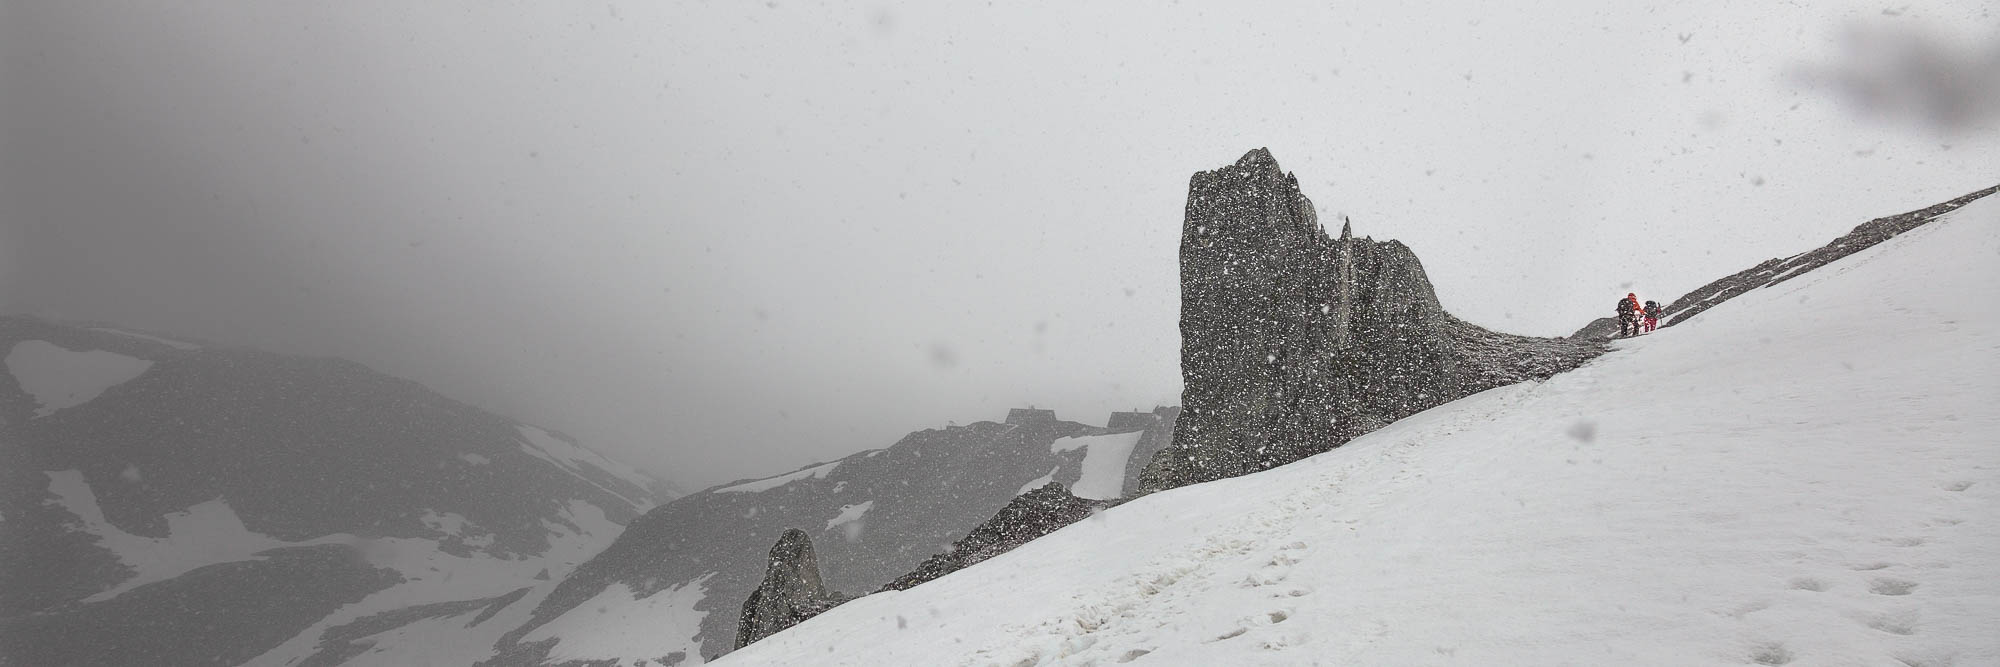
{"type": "Point", "coordinates": [1916, 74]}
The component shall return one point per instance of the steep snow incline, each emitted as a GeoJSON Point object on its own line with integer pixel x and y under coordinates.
{"type": "Point", "coordinates": [1808, 474]}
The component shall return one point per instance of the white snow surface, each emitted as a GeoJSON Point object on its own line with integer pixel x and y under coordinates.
{"type": "Point", "coordinates": [1808, 474]}
{"type": "Point", "coordinates": [176, 344]}
{"type": "Point", "coordinates": [1103, 463]}
{"type": "Point", "coordinates": [1039, 482]}
{"type": "Point", "coordinates": [204, 534]}
{"type": "Point", "coordinates": [818, 471]}
{"type": "Point", "coordinates": [434, 576]}
{"type": "Point", "coordinates": [616, 626]}
{"type": "Point", "coordinates": [199, 536]}
{"type": "Point", "coordinates": [445, 641]}
{"type": "Point", "coordinates": [60, 378]}
{"type": "Point", "coordinates": [570, 457]}
{"type": "Point", "coordinates": [850, 514]}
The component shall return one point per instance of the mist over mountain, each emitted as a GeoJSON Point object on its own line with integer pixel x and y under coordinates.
{"type": "Point", "coordinates": [704, 237]}
{"type": "Point", "coordinates": [176, 502]}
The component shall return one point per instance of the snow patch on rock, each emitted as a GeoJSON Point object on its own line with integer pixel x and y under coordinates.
{"type": "Point", "coordinates": [176, 344]}
{"type": "Point", "coordinates": [816, 472]}
{"type": "Point", "coordinates": [60, 378]}
{"type": "Point", "coordinates": [1039, 482]}
{"type": "Point", "coordinates": [572, 458]}
{"type": "Point", "coordinates": [204, 534]}
{"type": "Point", "coordinates": [1104, 461]}
{"type": "Point", "coordinates": [620, 627]}
{"type": "Point", "coordinates": [850, 520]}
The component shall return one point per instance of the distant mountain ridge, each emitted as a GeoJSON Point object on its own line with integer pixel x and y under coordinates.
{"type": "Point", "coordinates": [174, 502]}
{"type": "Point", "coordinates": [672, 589]}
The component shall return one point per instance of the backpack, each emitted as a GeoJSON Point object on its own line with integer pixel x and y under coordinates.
{"type": "Point", "coordinates": [1624, 306]}
{"type": "Point", "coordinates": [1653, 309]}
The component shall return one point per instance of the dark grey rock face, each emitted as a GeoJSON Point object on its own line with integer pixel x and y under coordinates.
{"type": "Point", "coordinates": [1034, 514]}
{"type": "Point", "coordinates": [1294, 342]}
{"type": "Point", "coordinates": [297, 449]}
{"type": "Point", "coordinates": [872, 517]}
{"type": "Point", "coordinates": [1773, 271]}
{"type": "Point", "coordinates": [791, 593]}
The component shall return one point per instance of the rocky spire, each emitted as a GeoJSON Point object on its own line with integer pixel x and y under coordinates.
{"type": "Point", "coordinates": [791, 593]}
{"type": "Point", "coordinates": [1293, 343]}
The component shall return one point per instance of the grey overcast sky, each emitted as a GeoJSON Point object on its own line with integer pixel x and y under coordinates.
{"type": "Point", "coordinates": [726, 239]}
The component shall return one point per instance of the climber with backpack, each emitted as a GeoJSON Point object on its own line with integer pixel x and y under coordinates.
{"type": "Point", "coordinates": [1628, 315]}
{"type": "Point", "coordinates": [1652, 314]}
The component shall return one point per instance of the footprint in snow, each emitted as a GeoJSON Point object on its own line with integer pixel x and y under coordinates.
{"type": "Point", "coordinates": [1770, 653]}
{"type": "Point", "coordinates": [1960, 485]}
{"type": "Point", "coordinates": [1933, 659]}
{"type": "Point", "coordinates": [1870, 567]}
{"type": "Point", "coordinates": [1808, 584]}
{"type": "Point", "coordinates": [1133, 654]}
{"type": "Point", "coordinates": [1886, 586]}
{"type": "Point", "coordinates": [1895, 624]}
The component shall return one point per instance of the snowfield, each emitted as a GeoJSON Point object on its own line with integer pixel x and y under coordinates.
{"type": "Point", "coordinates": [1808, 474]}
{"type": "Point", "coordinates": [205, 534]}
{"type": "Point", "coordinates": [616, 625]}
{"type": "Point", "coordinates": [572, 458]}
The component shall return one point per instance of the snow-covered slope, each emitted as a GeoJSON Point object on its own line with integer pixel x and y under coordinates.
{"type": "Point", "coordinates": [1808, 473]}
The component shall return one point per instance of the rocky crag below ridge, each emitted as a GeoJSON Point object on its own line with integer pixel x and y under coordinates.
{"type": "Point", "coordinates": [1294, 342]}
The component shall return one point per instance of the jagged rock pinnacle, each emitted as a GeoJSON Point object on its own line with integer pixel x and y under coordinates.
{"type": "Point", "coordinates": [1293, 343]}
{"type": "Point", "coordinates": [791, 593]}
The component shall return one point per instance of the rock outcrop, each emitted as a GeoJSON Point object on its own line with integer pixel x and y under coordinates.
{"type": "Point", "coordinates": [1034, 514]}
{"type": "Point", "coordinates": [1294, 342]}
{"type": "Point", "coordinates": [791, 593]}
{"type": "Point", "coordinates": [872, 516]}
{"type": "Point", "coordinates": [1773, 271]}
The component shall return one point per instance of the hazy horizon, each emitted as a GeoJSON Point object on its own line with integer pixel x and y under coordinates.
{"type": "Point", "coordinates": [722, 241]}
